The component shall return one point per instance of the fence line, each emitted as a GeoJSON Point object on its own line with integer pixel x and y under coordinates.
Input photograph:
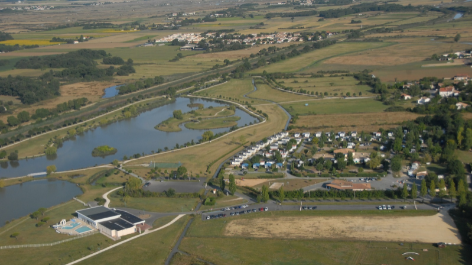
{"type": "Point", "coordinates": [49, 244]}
{"type": "Point", "coordinates": [80, 201]}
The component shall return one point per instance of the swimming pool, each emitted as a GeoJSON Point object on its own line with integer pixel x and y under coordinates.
{"type": "Point", "coordinates": [82, 229]}
{"type": "Point", "coordinates": [71, 226]}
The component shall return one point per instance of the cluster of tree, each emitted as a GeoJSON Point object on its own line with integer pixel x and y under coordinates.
{"type": "Point", "coordinates": [367, 7]}
{"type": "Point", "coordinates": [4, 62]}
{"type": "Point", "coordinates": [29, 90]}
{"type": "Point", "coordinates": [113, 60]}
{"type": "Point", "coordinates": [148, 82]}
{"type": "Point", "coordinates": [16, 47]}
{"type": "Point", "coordinates": [133, 189]}
{"type": "Point", "coordinates": [292, 14]}
{"type": "Point", "coordinates": [73, 59]}
{"type": "Point", "coordinates": [353, 21]}
{"type": "Point", "coordinates": [5, 36]}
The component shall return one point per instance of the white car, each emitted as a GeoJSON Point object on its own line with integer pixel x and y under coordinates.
{"type": "Point", "coordinates": [389, 207]}
{"type": "Point", "coordinates": [244, 206]}
{"type": "Point", "coordinates": [208, 217]}
{"type": "Point", "coordinates": [380, 207]}
{"type": "Point", "coordinates": [384, 207]}
{"type": "Point", "coordinates": [226, 209]}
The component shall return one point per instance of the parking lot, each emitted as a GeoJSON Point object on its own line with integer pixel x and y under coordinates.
{"type": "Point", "coordinates": [249, 209]}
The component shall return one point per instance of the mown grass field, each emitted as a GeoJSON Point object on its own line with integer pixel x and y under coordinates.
{"type": "Point", "coordinates": [149, 249]}
{"type": "Point", "coordinates": [207, 240]}
{"type": "Point", "coordinates": [172, 124]}
{"type": "Point", "coordinates": [335, 106]}
{"type": "Point", "coordinates": [332, 85]}
{"type": "Point", "coordinates": [352, 122]}
{"type": "Point", "coordinates": [162, 204]}
{"type": "Point", "coordinates": [213, 123]}
{"type": "Point", "coordinates": [304, 62]}
{"type": "Point", "coordinates": [30, 234]}
{"type": "Point", "coordinates": [265, 92]}
{"type": "Point", "coordinates": [234, 90]}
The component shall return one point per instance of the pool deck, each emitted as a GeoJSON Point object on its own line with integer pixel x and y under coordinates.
{"type": "Point", "coordinates": [73, 231]}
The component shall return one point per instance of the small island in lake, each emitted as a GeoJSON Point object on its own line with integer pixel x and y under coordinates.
{"type": "Point", "coordinates": [103, 151]}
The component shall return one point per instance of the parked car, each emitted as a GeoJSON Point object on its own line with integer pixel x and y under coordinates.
{"type": "Point", "coordinates": [208, 217]}
{"type": "Point", "coordinates": [226, 209]}
{"type": "Point", "coordinates": [384, 207]}
{"type": "Point", "coordinates": [231, 214]}
{"type": "Point", "coordinates": [236, 213]}
{"type": "Point", "coordinates": [248, 211]}
{"type": "Point", "coordinates": [380, 207]}
{"type": "Point", "coordinates": [314, 207]}
{"type": "Point", "coordinates": [244, 206]}
{"type": "Point", "coordinates": [242, 212]}
{"type": "Point", "coordinates": [254, 210]}
{"type": "Point", "coordinates": [389, 207]}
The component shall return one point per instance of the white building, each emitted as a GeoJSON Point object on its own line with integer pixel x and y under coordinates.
{"type": "Point", "coordinates": [424, 100]}
{"type": "Point", "coordinates": [114, 223]}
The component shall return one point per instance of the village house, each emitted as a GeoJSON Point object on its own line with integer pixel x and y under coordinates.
{"type": "Point", "coordinates": [461, 78]}
{"type": "Point", "coordinates": [405, 96]}
{"type": "Point", "coordinates": [461, 105]}
{"type": "Point", "coordinates": [448, 91]}
{"type": "Point", "coordinates": [423, 100]}
{"type": "Point", "coordinates": [421, 174]}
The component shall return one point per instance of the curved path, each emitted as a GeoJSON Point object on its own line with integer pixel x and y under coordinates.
{"type": "Point", "coordinates": [129, 239]}
{"type": "Point", "coordinates": [105, 196]}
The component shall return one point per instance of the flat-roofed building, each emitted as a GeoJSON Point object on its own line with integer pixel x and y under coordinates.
{"type": "Point", "coordinates": [111, 222]}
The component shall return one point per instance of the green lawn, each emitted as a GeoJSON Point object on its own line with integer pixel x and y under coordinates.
{"type": "Point", "coordinates": [213, 123]}
{"type": "Point", "coordinates": [151, 204]}
{"type": "Point", "coordinates": [30, 234]}
{"type": "Point", "coordinates": [149, 249]}
{"type": "Point", "coordinates": [305, 61]}
{"type": "Point", "coordinates": [331, 85]}
{"type": "Point", "coordinates": [464, 156]}
{"type": "Point", "coordinates": [335, 106]}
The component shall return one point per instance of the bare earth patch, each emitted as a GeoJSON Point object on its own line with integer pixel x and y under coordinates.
{"type": "Point", "coordinates": [251, 182]}
{"type": "Point", "coordinates": [379, 228]}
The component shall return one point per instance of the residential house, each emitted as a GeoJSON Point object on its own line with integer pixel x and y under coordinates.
{"type": "Point", "coordinates": [448, 91]}
{"type": "Point", "coordinates": [461, 105]}
{"type": "Point", "coordinates": [423, 100]}
{"type": "Point", "coordinates": [461, 78]}
{"type": "Point", "coordinates": [244, 165]}
{"type": "Point", "coordinates": [318, 134]}
{"type": "Point", "coordinates": [405, 96]}
{"type": "Point", "coordinates": [306, 135]}
{"type": "Point", "coordinates": [341, 134]}
{"type": "Point", "coordinates": [354, 134]}
{"type": "Point", "coordinates": [296, 135]}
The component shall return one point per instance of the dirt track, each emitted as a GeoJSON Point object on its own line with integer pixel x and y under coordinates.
{"type": "Point", "coordinates": [427, 229]}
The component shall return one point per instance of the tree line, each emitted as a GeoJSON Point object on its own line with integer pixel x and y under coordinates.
{"type": "Point", "coordinates": [368, 7]}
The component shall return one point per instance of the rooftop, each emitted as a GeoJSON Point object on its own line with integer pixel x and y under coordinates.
{"type": "Point", "coordinates": [117, 224]}
{"type": "Point", "coordinates": [129, 217]}
{"type": "Point", "coordinates": [99, 212]}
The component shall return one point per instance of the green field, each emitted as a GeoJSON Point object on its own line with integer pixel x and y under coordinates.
{"type": "Point", "coordinates": [335, 106]}
{"type": "Point", "coordinates": [304, 62]}
{"type": "Point", "coordinates": [162, 204]}
{"type": "Point", "coordinates": [234, 90]}
{"type": "Point", "coordinates": [332, 85]}
{"type": "Point", "coordinates": [212, 118]}
{"type": "Point", "coordinates": [213, 123]}
{"type": "Point", "coordinates": [149, 249]}
{"type": "Point", "coordinates": [31, 234]}
{"type": "Point", "coordinates": [266, 92]}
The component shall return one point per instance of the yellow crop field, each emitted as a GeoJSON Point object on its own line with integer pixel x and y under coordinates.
{"type": "Point", "coordinates": [117, 31]}
{"type": "Point", "coordinates": [29, 42]}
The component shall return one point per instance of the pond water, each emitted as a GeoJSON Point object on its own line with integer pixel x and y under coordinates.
{"type": "Point", "coordinates": [22, 199]}
{"type": "Point", "coordinates": [131, 136]}
{"type": "Point", "coordinates": [111, 92]}
{"type": "Point", "coordinates": [458, 15]}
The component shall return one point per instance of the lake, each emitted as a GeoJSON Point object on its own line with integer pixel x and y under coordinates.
{"type": "Point", "coordinates": [129, 137]}
{"type": "Point", "coordinates": [22, 199]}
{"type": "Point", "coordinates": [111, 91]}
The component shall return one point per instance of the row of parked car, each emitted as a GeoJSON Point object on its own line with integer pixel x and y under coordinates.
{"type": "Point", "coordinates": [221, 215]}
{"type": "Point", "coordinates": [308, 207]}
{"type": "Point", "coordinates": [388, 207]}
